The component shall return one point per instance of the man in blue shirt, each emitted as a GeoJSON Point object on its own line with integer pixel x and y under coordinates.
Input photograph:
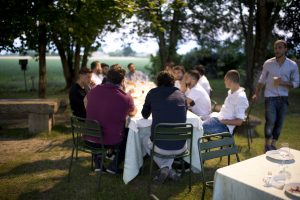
{"type": "Point", "coordinates": [167, 105]}
{"type": "Point", "coordinates": [279, 74]}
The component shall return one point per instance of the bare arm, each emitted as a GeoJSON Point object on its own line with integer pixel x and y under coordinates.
{"type": "Point", "coordinates": [132, 113]}
{"type": "Point", "coordinates": [257, 91]}
{"type": "Point", "coordinates": [235, 122]}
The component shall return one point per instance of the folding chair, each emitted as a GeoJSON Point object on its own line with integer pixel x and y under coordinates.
{"type": "Point", "coordinates": [215, 146]}
{"type": "Point", "coordinates": [172, 132]}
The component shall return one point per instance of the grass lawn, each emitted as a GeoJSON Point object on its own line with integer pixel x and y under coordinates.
{"type": "Point", "coordinates": [36, 167]}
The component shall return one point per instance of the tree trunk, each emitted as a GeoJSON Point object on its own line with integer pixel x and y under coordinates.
{"type": "Point", "coordinates": [267, 13]}
{"type": "Point", "coordinates": [42, 60]}
{"type": "Point", "coordinates": [64, 62]}
{"type": "Point", "coordinates": [85, 56]}
{"type": "Point", "coordinates": [76, 61]}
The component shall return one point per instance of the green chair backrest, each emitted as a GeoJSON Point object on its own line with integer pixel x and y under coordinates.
{"type": "Point", "coordinates": [173, 131]}
{"type": "Point", "coordinates": [85, 127]}
{"type": "Point", "coordinates": [209, 146]}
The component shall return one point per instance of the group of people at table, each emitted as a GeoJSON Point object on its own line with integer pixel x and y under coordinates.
{"type": "Point", "coordinates": [100, 94]}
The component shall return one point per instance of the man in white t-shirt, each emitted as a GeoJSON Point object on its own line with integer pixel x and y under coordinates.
{"type": "Point", "coordinates": [197, 98]}
{"type": "Point", "coordinates": [97, 76]}
{"type": "Point", "coordinates": [203, 80]}
{"type": "Point", "coordinates": [232, 112]}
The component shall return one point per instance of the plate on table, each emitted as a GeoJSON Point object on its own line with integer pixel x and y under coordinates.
{"type": "Point", "coordinates": [293, 189]}
{"type": "Point", "coordinates": [275, 154]}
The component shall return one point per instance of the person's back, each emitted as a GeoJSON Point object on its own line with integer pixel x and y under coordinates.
{"type": "Point", "coordinates": [109, 105]}
{"type": "Point", "coordinates": [167, 105]}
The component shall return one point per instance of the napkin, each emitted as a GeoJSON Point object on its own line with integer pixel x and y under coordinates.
{"type": "Point", "coordinates": [278, 181]}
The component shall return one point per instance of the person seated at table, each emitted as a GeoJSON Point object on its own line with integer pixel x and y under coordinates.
{"type": "Point", "coordinates": [232, 112]}
{"type": "Point", "coordinates": [203, 80]}
{"type": "Point", "coordinates": [135, 75]}
{"type": "Point", "coordinates": [78, 92]}
{"type": "Point", "coordinates": [105, 68]}
{"type": "Point", "coordinates": [178, 72]}
{"type": "Point", "coordinates": [110, 105]}
{"type": "Point", "coordinates": [97, 76]}
{"type": "Point", "coordinates": [197, 98]}
{"type": "Point", "coordinates": [167, 104]}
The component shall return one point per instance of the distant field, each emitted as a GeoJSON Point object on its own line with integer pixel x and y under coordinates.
{"type": "Point", "coordinates": [12, 78]}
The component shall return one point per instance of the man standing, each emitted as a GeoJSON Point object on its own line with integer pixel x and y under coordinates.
{"type": "Point", "coordinates": [78, 92]}
{"type": "Point", "coordinates": [110, 105]}
{"type": "Point", "coordinates": [232, 112]}
{"type": "Point", "coordinates": [167, 104]}
{"type": "Point", "coordinates": [135, 75]}
{"type": "Point", "coordinates": [197, 98]}
{"type": "Point", "coordinates": [279, 74]}
{"type": "Point", "coordinates": [97, 76]}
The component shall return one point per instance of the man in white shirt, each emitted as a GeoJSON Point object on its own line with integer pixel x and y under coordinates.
{"type": "Point", "coordinates": [178, 72]}
{"type": "Point", "coordinates": [203, 80]}
{"type": "Point", "coordinates": [232, 112]}
{"type": "Point", "coordinates": [279, 74]}
{"type": "Point", "coordinates": [97, 76]}
{"type": "Point", "coordinates": [197, 98]}
{"type": "Point", "coordinates": [135, 75]}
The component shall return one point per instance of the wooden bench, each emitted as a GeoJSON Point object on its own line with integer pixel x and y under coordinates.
{"type": "Point", "coordinates": [40, 112]}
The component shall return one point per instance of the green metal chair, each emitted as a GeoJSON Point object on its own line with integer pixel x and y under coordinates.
{"type": "Point", "coordinates": [172, 132]}
{"type": "Point", "coordinates": [215, 146]}
{"type": "Point", "coordinates": [84, 127]}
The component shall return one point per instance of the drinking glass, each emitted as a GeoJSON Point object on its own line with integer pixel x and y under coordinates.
{"type": "Point", "coordinates": [284, 152]}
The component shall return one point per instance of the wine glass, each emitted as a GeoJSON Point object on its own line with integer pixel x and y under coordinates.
{"type": "Point", "coordinates": [284, 152]}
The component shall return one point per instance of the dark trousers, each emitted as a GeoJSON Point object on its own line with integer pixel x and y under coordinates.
{"type": "Point", "coordinates": [121, 146]}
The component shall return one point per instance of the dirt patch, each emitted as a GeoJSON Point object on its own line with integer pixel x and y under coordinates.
{"type": "Point", "coordinates": [9, 149]}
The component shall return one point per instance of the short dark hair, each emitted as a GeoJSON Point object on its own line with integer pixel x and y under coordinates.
{"type": "Point", "coordinates": [85, 70]}
{"type": "Point", "coordinates": [165, 78]}
{"type": "Point", "coordinates": [200, 69]}
{"type": "Point", "coordinates": [104, 65]}
{"type": "Point", "coordinates": [179, 67]}
{"type": "Point", "coordinates": [194, 73]}
{"type": "Point", "coordinates": [281, 41]}
{"type": "Point", "coordinates": [116, 74]}
{"type": "Point", "coordinates": [233, 75]}
{"type": "Point", "coordinates": [94, 64]}
{"type": "Point", "coordinates": [129, 65]}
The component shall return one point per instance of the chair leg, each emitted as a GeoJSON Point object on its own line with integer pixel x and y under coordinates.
{"type": "Point", "coordinates": [92, 162]}
{"type": "Point", "coordinates": [100, 172]}
{"type": "Point", "coordinates": [150, 176]}
{"type": "Point", "coordinates": [228, 158]}
{"type": "Point", "coordinates": [71, 162]}
{"type": "Point", "coordinates": [190, 175]}
{"type": "Point", "coordinates": [204, 188]}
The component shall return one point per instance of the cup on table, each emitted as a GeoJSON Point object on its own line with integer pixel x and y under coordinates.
{"type": "Point", "coordinates": [276, 81]}
{"type": "Point", "coordinates": [284, 152]}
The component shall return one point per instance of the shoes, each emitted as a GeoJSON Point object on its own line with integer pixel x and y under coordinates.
{"type": "Point", "coordinates": [273, 147]}
{"type": "Point", "coordinates": [102, 171]}
{"type": "Point", "coordinates": [173, 175]}
{"type": "Point", "coordinates": [113, 171]}
{"type": "Point", "coordinates": [162, 175]}
{"type": "Point", "coordinates": [178, 167]}
{"type": "Point", "coordinates": [110, 155]}
{"type": "Point", "coordinates": [267, 148]}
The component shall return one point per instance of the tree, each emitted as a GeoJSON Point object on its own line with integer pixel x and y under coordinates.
{"type": "Point", "coordinates": [163, 20]}
{"type": "Point", "coordinates": [290, 22]}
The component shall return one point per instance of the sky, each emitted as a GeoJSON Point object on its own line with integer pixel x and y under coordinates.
{"type": "Point", "coordinates": [113, 42]}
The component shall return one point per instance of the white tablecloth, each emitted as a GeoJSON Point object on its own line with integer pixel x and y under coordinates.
{"type": "Point", "coordinates": [243, 180]}
{"type": "Point", "coordinates": [140, 128]}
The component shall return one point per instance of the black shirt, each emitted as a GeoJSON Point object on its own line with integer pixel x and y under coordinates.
{"type": "Point", "coordinates": [167, 105]}
{"type": "Point", "coordinates": [76, 96]}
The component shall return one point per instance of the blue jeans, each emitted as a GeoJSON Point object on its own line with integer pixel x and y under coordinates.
{"type": "Point", "coordinates": [213, 125]}
{"type": "Point", "coordinates": [275, 110]}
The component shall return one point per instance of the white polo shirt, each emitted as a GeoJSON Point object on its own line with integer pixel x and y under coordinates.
{"type": "Point", "coordinates": [202, 105]}
{"type": "Point", "coordinates": [97, 79]}
{"type": "Point", "coordinates": [234, 106]}
{"type": "Point", "coordinates": [205, 84]}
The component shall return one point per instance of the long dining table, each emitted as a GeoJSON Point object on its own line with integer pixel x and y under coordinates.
{"type": "Point", "coordinates": [139, 128]}
{"type": "Point", "coordinates": [244, 180]}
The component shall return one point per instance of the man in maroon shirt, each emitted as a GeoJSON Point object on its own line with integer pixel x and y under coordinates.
{"type": "Point", "coordinates": [110, 105]}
